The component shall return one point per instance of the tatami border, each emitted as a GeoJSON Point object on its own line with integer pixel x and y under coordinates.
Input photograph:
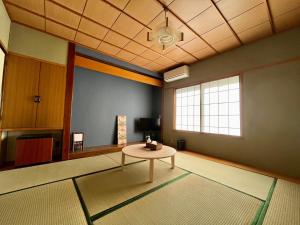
{"type": "Point", "coordinates": [82, 175]}
{"type": "Point", "coordinates": [137, 197]}
{"type": "Point", "coordinates": [259, 219]}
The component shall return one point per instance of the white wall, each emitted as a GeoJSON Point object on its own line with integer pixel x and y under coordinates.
{"type": "Point", "coordinates": [4, 26]}
{"type": "Point", "coordinates": [36, 44]}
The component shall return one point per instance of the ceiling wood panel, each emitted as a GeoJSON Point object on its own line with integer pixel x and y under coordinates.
{"type": "Point", "coordinates": [160, 20]}
{"type": "Point", "coordinates": [125, 55]}
{"type": "Point", "coordinates": [101, 12]}
{"type": "Point", "coordinates": [206, 21]}
{"type": "Point", "coordinates": [135, 48]}
{"type": "Point", "coordinates": [188, 10]}
{"type": "Point", "coordinates": [234, 8]}
{"type": "Point", "coordinates": [257, 32]}
{"type": "Point", "coordinates": [194, 45]}
{"type": "Point", "coordinates": [153, 66]}
{"type": "Point", "coordinates": [188, 59]}
{"type": "Point", "coordinates": [108, 48]}
{"type": "Point", "coordinates": [116, 39]}
{"type": "Point", "coordinates": [127, 26]}
{"type": "Point", "coordinates": [149, 54]}
{"type": "Point", "coordinates": [76, 5]}
{"type": "Point", "coordinates": [91, 28]}
{"type": "Point", "coordinates": [164, 61]}
{"type": "Point", "coordinates": [139, 61]}
{"type": "Point", "coordinates": [87, 40]}
{"type": "Point", "coordinates": [60, 30]}
{"type": "Point", "coordinates": [177, 54]}
{"type": "Point", "coordinates": [288, 20]}
{"type": "Point", "coordinates": [159, 49]}
{"type": "Point", "coordinates": [251, 18]}
{"type": "Point", "coordinates": [61, 15]}
{"type": "Point", "coordinates": [279, 7]}
{"type": "Point", "coordinates": [25, 17]}
{"type": "Point", "coordinates": [144, 11]}
{"type": "Point", "coordinates": [219, 33]}
{"type": "Point", "coordinates": [188, 35]}
{"type": "Point", "coordinates": [141, 37]}
{"type": "Point", "coordinates": [204, 53]}
{"type": "Point", "coordinates": [119, 3]}
{"type": "Point", "coordinates": [36, 6]}
{"type": "Point", "coordinates": [209, 26]}
{"type": "Point", "coordinates": [226, 44]}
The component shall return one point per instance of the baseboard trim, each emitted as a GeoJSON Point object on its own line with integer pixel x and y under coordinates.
{"type": "Point", "coordinates": [244, 167]}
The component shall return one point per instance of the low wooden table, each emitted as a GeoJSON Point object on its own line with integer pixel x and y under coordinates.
{"type": "Point", "coordinates": [139, 151]}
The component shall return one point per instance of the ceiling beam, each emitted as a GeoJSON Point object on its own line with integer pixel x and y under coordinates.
{"type": "Point", "coordinates": [177, 17]}
{"type": "Point", "coordinates": [271, 18]}
{"type": "Point", "coordinates": [232, 30]}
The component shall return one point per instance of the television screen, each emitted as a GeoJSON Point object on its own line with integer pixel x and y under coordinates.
{"type": "Point", "coordinates": [146, 124]}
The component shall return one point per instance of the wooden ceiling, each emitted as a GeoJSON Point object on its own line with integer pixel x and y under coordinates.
{"type": "Point", "coordinates": [119, 27]}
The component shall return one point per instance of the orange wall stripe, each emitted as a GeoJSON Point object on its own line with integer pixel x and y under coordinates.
{"type": "Point", "coordinates": [115, 71]}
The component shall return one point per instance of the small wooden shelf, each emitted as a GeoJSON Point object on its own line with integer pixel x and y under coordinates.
{"type": "Point", "coordinates": [28, 129]}
{"type": "Point", "coordinates": [98, 150]}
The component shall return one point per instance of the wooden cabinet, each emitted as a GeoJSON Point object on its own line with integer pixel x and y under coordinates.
{"type": "Point", "coordinates": [52, 88]}
{"type": "Point", "coordinates": [20, 85]}
{"type": "Point", "coordinates": [26, 78]}
{"type": "Point", "coordinates": [33, 150]}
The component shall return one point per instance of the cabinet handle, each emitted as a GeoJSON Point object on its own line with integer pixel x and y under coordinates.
{"type": "Point", "coordinates": [37, 99]}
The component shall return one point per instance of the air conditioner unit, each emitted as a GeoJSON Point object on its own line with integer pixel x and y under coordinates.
{"type": "Point", "coordinates": [177, 74]}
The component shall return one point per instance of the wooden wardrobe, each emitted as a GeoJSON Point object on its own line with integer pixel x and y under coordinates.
{"type": "Point", "coordinates": [34, 94]}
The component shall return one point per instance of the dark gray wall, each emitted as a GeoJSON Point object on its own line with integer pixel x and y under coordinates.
{"type": "Point", "coordinates": [270, 105]}
{"type": "Point", "coordinates": [98, 98]}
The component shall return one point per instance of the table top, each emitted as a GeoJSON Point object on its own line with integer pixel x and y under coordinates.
{"type": "Point", "coordinates": [139, 151]}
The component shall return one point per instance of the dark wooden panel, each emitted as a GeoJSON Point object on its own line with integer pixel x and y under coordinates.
{"type": "Point", "coordinates": [32, 151]}
{"type": "Point", "coordinates": [68, 102]}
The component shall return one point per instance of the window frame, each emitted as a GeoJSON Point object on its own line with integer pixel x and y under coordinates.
{"type": "Point", "coordinates": [240, 75]}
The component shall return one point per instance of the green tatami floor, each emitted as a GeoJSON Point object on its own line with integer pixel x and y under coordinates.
{"type": "Point", "coordinates": [97, 191]}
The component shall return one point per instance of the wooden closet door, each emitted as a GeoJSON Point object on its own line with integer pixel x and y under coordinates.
{"type": "Point", "coordinates": [20, 85]}
{"type": "Point", "coordinates": [50, 111]}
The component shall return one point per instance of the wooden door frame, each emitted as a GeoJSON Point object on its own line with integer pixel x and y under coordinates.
{"type": "Point", "coordinates": [68, 102]}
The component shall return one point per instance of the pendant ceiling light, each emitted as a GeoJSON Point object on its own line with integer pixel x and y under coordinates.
{"type": "Point", "coordinates": [165, 35]}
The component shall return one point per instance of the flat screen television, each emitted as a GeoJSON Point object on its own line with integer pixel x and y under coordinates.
{"type": "Point", "coordinates": [146, 124]}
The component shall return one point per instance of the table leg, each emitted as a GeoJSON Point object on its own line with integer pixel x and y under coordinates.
{"type": "Point", "coordinates": [173, 161]}
{"type": "Point", "coordinates": [151, 170]}
{"type": "Point", "coordinates": [123, 160]}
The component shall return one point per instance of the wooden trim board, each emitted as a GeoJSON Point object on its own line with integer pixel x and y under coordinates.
{"type": "Point", "coordinates": [99, 150]}
{"type": "Point", "coordinates": [241, 166]}
{"type": "Point", "coordinates": [68, 102]}
{"type": "Point", "coordinates": [101, 67]}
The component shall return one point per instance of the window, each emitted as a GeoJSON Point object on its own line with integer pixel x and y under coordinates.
{"type": "Point", "coordinates": [188, 108]}
{"type": "Point", "coordinates": [220, 107]}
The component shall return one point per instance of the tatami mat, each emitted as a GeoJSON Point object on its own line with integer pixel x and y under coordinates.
{"type": "Point", "coordinates": [251, 183]}
{"type": "Point", "coordinates": [190, 200]}
{"type": "Point", "coordinates": [117, 157]}
{"type": "Point", "coordinates": [16, 179]}
{"type": "Point", "coordinates": [284, 208]}
{"type": "Point", "coordinates": [106, 189]}
{"type": "Point", "coordinates": [51, 204]}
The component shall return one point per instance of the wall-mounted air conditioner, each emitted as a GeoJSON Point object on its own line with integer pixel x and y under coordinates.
{"type": "Point", "coordinates": [177, 74]}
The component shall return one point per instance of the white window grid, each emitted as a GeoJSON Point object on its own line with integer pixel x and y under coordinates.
{"type": "Point", "coordinates": [188, 108]}
{"type": "Point", "coordinates": [214, 109]}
